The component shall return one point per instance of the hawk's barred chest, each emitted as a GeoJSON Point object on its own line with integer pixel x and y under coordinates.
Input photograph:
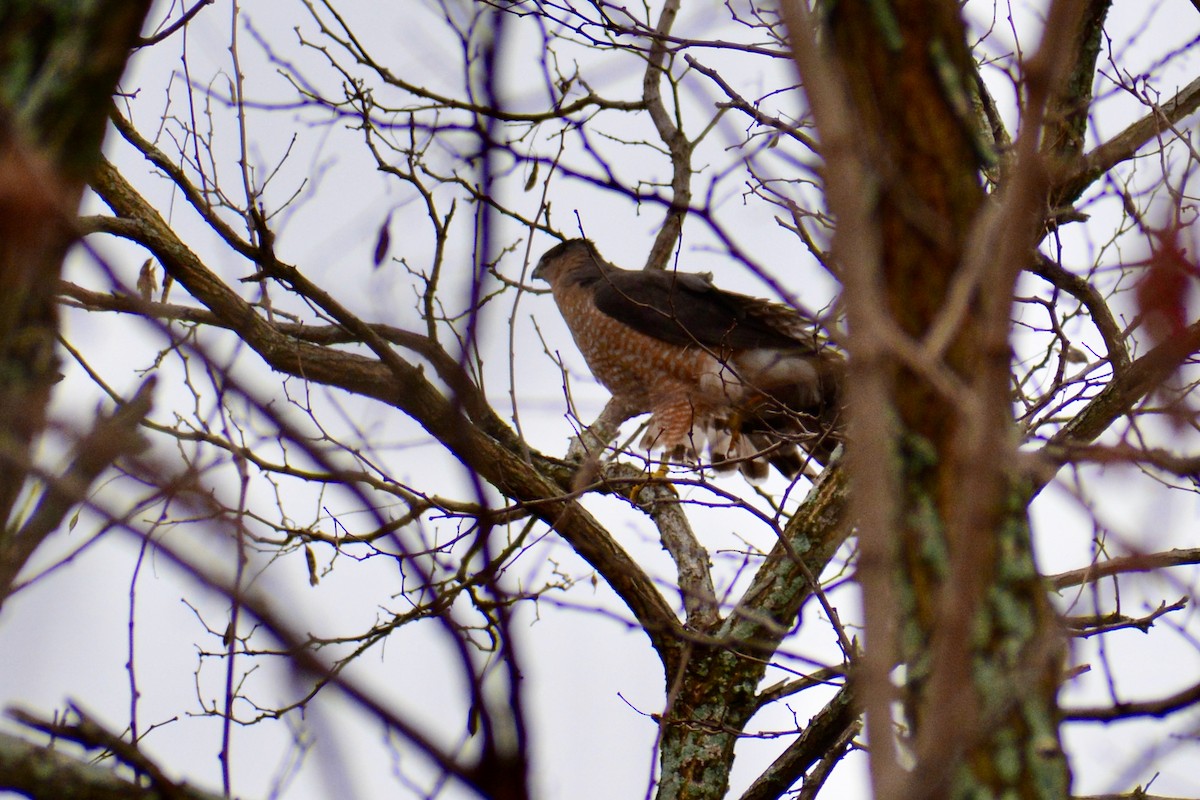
{"type": "Point", "coordinates": [631, 365]}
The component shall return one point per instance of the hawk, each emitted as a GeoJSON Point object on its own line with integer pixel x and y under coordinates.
{"type": "Point", "coordinates": [744, 377]}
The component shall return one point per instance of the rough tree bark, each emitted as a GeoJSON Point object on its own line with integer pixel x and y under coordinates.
{"type": "Point", "coordinates": [59, 66]}
{"type": "Point", "coordinates": [970, 620]}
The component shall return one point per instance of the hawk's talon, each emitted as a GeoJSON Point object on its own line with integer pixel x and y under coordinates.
{"type": "Point", "coordinates": [656, 478]}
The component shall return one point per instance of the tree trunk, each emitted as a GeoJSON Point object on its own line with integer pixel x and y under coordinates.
{"type": "Point", "coordinates": [59, 66]}
{"type": "Point", "coordinates": [973, 625]}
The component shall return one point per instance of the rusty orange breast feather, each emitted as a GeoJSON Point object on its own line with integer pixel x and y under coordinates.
{"type": "Point", "coordinates": [635, 367]}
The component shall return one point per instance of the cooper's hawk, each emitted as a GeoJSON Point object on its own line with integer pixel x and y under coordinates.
{"type": "Point", "coordinates": [745, 377]}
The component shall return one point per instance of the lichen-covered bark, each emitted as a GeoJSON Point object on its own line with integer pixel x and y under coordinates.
{"type": "Point", "coordinates": [1068, 117]}
{"type": "Point", "coordinates": [59, 65]}
{"type": "Point", "coordinates": [44, 773]}
{"type": "Point", "coordinates": [709, 704]}
{"type": "Point", "coordinates": [974, 626]}
{"type": "Point", "coordinates": [712, 687]}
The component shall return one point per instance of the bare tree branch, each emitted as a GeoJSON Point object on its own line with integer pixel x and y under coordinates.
{"type": "Point", "coordinates": [1146, 708]}
{"type": "Point", "coordinates": [1125, 144]}
{"type": "Point", "coordinates": [43, 773]}
{"type": "Point", "coordinates": [112, 437]}
{"type": "Point", "coordinates": [817, 740]}
{"type": "Point", "coordinates": [1142, 562]}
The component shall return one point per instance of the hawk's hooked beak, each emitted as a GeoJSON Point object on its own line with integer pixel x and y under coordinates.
{"type": "Point", "coordinates": [539, 272]}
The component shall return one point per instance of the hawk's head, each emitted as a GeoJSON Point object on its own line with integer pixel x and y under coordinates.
{"type": "Point", "coordinates": [572, 260]}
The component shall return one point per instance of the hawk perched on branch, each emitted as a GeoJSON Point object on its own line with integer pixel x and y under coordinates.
{"type": "Point", "coordinates": [744, 376]}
